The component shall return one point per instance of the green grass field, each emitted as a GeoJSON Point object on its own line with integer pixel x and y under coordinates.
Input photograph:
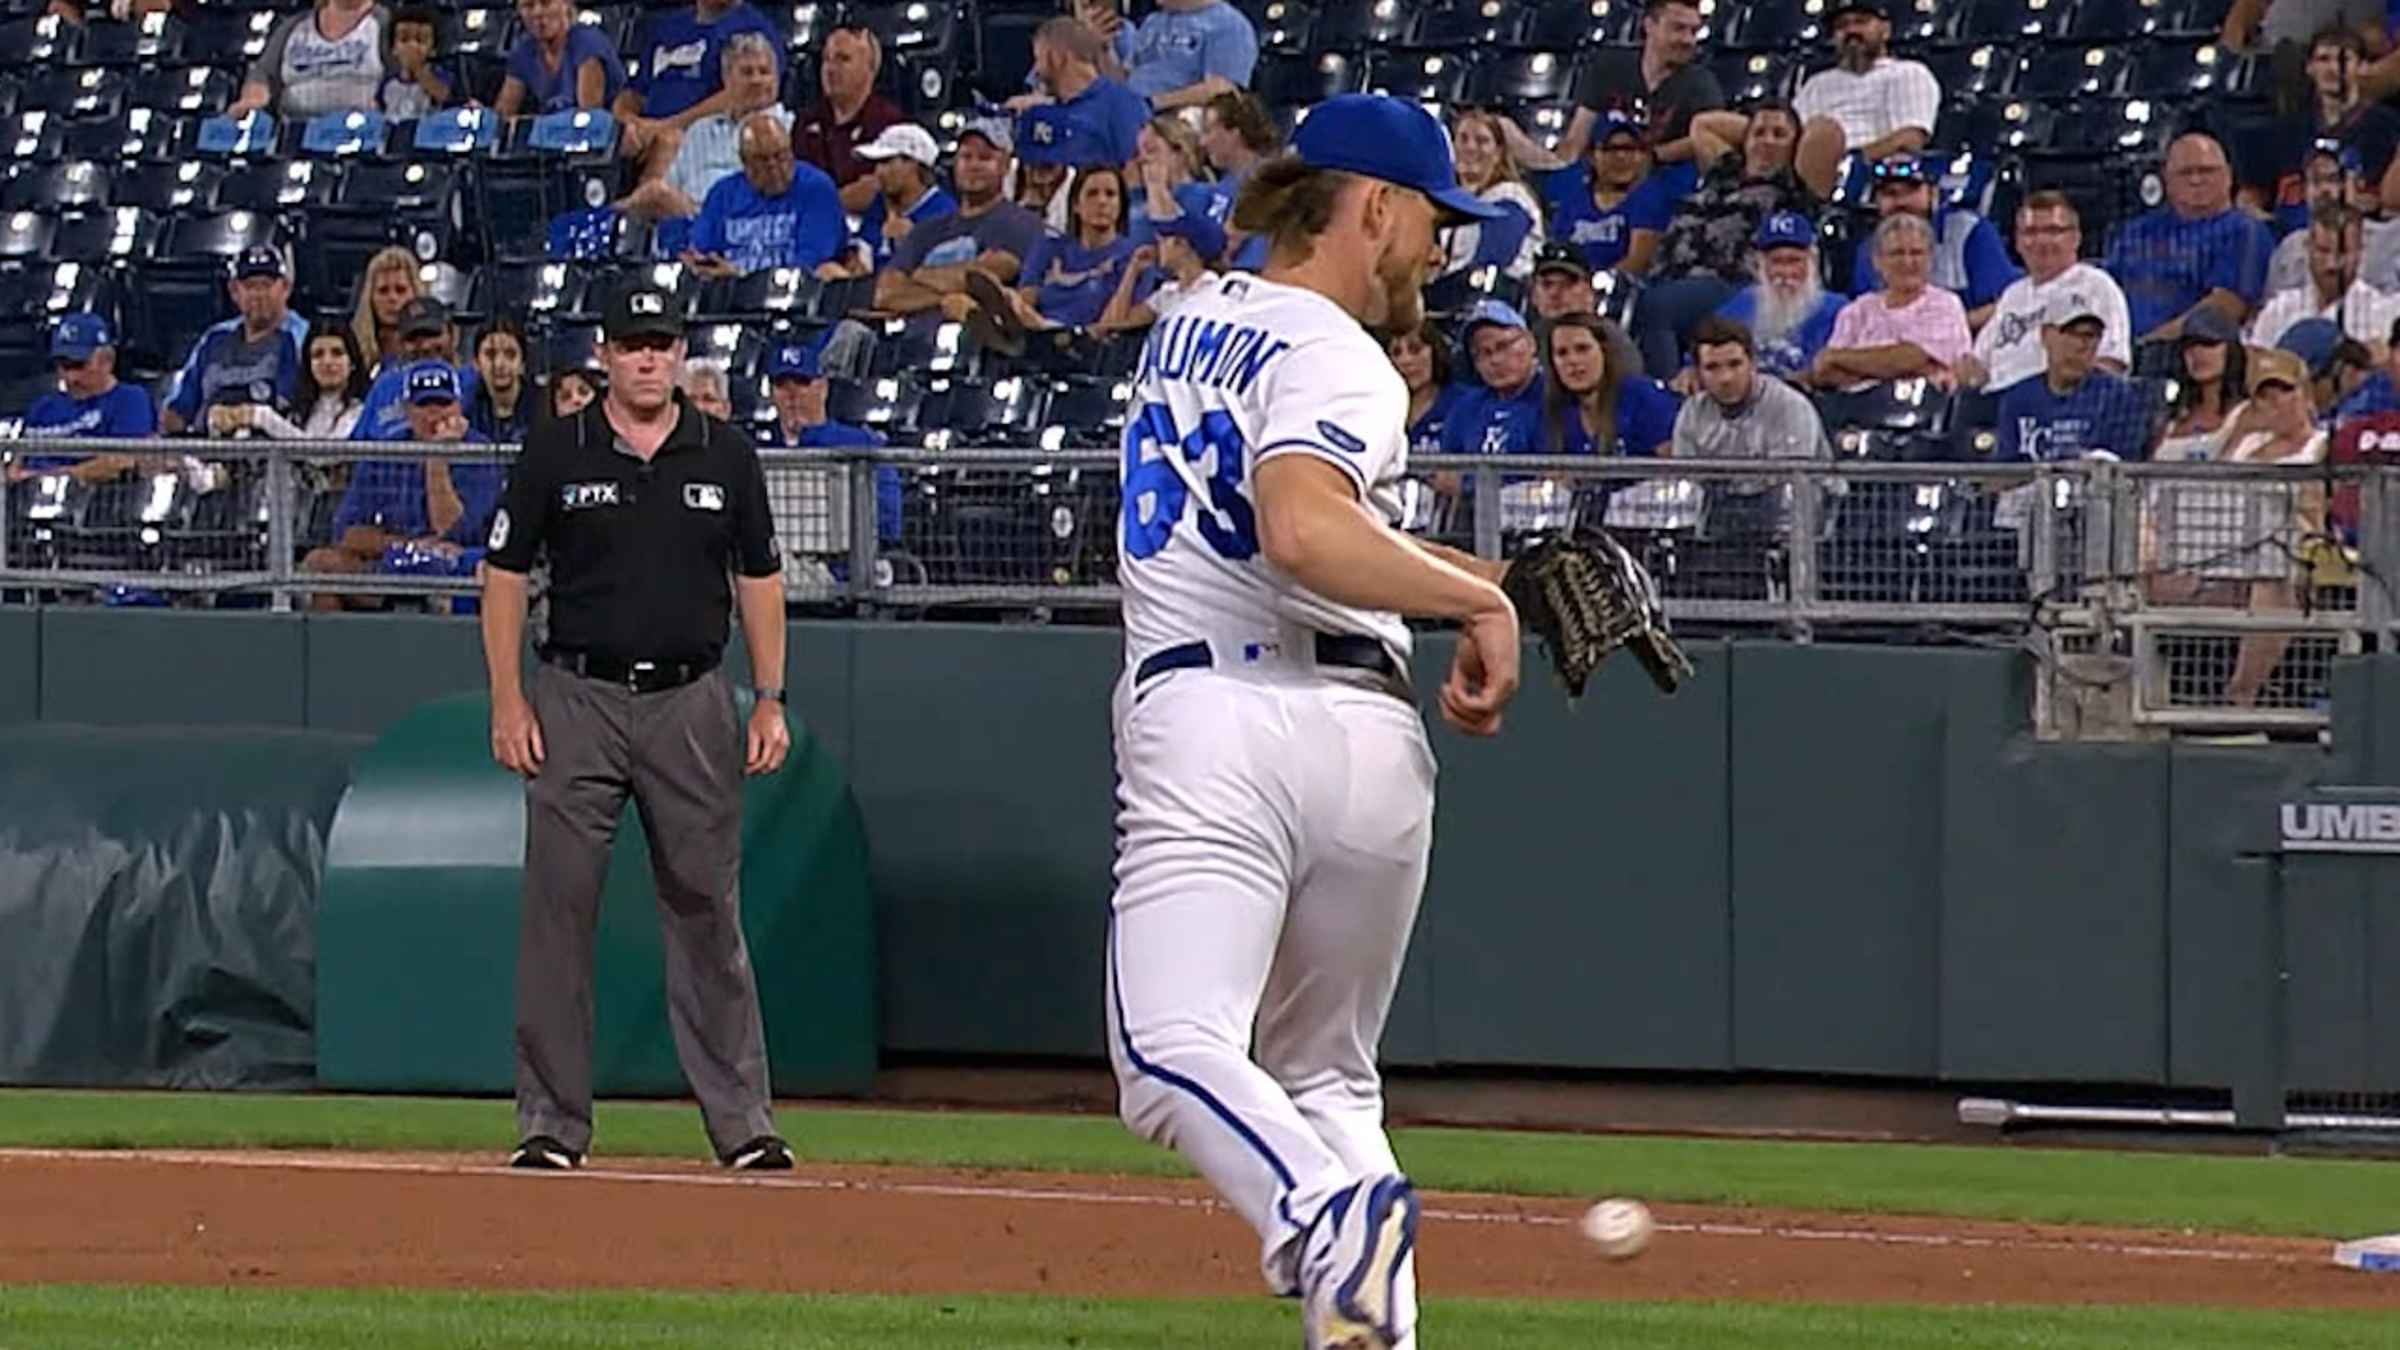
{"type": "Point", "coordinates": [2298, 1197]}
{"type": "Point", "coordinates": [79, 1318]}
{"type": "Point", "coordinates": [2310, 1197]}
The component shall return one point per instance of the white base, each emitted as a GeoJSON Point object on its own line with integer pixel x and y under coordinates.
{"type": "Point", "coordinates": [2377, 1255]}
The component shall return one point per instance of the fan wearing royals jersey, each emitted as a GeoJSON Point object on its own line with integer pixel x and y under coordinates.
{"type": "Point", "coordinates": [1275, 785]}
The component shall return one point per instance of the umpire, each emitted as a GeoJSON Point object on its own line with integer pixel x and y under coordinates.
{"type": "Point", "coordinates": [643, 505]}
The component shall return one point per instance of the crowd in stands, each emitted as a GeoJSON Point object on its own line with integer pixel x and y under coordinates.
{"type": "Point", "coordinates": [1699, 256]}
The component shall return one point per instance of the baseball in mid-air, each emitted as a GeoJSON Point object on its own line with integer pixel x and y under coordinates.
{"type": "Point", "coordinates": [1620, 1228]}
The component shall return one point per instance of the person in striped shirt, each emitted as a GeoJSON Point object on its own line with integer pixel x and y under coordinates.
{"type": "Point", "coordinates": [1870, 101]}
{"type": "Point", "coordinates": [711, 147]}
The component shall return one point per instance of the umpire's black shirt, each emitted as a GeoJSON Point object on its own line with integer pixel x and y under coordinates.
{"type": "Point", "coordinates": [638, 551]}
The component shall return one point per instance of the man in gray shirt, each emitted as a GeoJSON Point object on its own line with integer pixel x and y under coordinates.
{"type": "Point", "coordinates": [1741, 412]}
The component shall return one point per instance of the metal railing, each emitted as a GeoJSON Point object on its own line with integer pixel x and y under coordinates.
{"type": "Point", "coordinates": [2200, 596]}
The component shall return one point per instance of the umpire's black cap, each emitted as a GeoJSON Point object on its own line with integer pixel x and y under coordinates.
{"type": "Point", "coordinates": [641, 310]}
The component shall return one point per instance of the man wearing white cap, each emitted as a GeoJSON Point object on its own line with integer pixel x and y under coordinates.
{"type": "Point", "coordinates": [907, 193]}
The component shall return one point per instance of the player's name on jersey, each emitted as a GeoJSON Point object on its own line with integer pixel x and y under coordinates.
{"type": "Point", "coordinates": [1211, 352]}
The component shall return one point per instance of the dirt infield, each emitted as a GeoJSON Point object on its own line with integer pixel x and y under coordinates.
{"type": "Point", "coordinates": [449, 1223]}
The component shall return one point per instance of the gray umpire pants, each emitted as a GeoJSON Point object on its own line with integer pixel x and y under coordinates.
{"type": "Point", "coordinates": [679, 753]}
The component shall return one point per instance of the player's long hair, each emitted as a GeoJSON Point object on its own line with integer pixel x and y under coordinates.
{"type": "Point", "coordinates": [1290, 203]}
{"type": "Point", "coordinates": [1619, 362]}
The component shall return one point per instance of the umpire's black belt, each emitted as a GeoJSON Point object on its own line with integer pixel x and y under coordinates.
{"type": "Point", "coordinates": [1351, 651]}
{"type": "Point", "coordinates": [642, 677]}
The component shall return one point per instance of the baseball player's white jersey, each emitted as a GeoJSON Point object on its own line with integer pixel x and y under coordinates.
{"type": "Point", "coordinates": [1275, 786]}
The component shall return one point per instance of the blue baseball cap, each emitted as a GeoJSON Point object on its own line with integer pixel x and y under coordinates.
{"type": "Point", "coordinates": [1490, 311]}
{"type": "Point", "coordinates": [2313, 341]}
{"type": "Point", "coordinates": [795, 361]}
{"type": "Point", "coordinates": [1784, 229]}
{"type": "Point", "coordinates": [1618, 122]}
{"type": "Point", "coordinates": [79, 335]}
{"type": "Point", "coordinates": [431, 382]}
{"type": "Point", "coordinates": [258, 260]}
{"type": "Point", "coordinates": [1201, 223]}
{"type": "Point", "coordinates": [1376, 136]}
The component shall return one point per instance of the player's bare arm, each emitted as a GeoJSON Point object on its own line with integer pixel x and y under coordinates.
{"type": "Point", "coordinates": [1313, 527]}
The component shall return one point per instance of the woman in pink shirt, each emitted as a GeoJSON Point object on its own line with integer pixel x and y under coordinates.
{"type": "Point", "coordinates": [1910, 329]}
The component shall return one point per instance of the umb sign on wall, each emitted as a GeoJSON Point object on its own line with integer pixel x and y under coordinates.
{"type": "Point", "coordinates": [2341, 820]}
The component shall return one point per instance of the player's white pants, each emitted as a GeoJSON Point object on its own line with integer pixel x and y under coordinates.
{"type": "Point", "coordinates": [1272, 842]}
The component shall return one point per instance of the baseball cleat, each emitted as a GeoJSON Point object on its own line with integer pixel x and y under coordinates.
{"type": "Point", "coordinates": [766, 1153]}
{"type": "Point", "coordinates": [541, 1153]}
{"type": "Point", "coordinates": [1350, 1296]}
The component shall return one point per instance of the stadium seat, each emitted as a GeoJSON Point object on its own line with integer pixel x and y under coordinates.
{"type": "Point", "coordinates": [2186, 18]}
{"type": "Point", "coordinates": [542, 292]}
{"type": "Point", "coordinates": [40, 42]}
{"type": "Point", "coordinates": [1089, 412]}
{"type": "Point", "coordinates": [70, 186]}
{"type": "Point", "coordinates": [1748, 77]}
{"type": "Point", "coordinates": [574, 347]}
{"type": "Point", "coordinates": [1466, 26]}
{"type": "Point", "coordinates": [74, 94]}
{"type": "Point", "coordinates": [2179, 70]}
{"type": "Point", "coordinates": [1294, 33]}
{"type": "Point", "coordinates": [760, 297]}
{"type": "Point", "coordinates": [166, 308]}
{"type": "Point", "coordinates": [136, 134]}
{"type": "Point", "coordinates": [1773, 26]}
{"type": "Point", "coordinates": [2111, 20]}
{"type": "Point", "coordinates": [1963, 71]}
{"type": "Point", "coordinates": [1298, 81]}
{"type": "Point", "coordinates": [162, 187]}
{"type": "Point", "coordinates": [886, 404]}
{"type": "Point", "coordinates": [274, 186]}
{"type": "Point", "coordinates": [2125, 129]}
{"type": "Point", "coordinates": [153, 40]}
{"type": "Point", "coordinates": [740, 348]}
{"type": "Point", "coordinates": [183, 90]}
{"type": "Point", "coordinates": [941, 349]}
{"type": "Point", "coordinates": [26, 236]}
{"type": "Point", "coordinates": [1517, 78]}
{"type": "Point", "coordinates": [31, 138]}
{"type": "Point", "coordinates": [118, 234]}
{"type": "Point", "coordinates": [228, 39]}
{"type": "Point", "coordinates": [2068, 72]}
{"type": "Point", "coordinates": [1564, 26]}
{"type": "Point", "coordinates": [917, 27]}
{"type": "Point", "coordinates": [1356, 25]}
{"type": "Point", "coordinates": [2007, 20]}
{"type": "Point", "coordinates": [1004, 41]}
{"type": "Point", "coordinates": [32, 293]}
{"type": "Point", "coordinates": [1418, 77]}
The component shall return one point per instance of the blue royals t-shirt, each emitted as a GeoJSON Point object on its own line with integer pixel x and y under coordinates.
{"type": "Point", "coordinates": [1075, 280]}
{"type": "Point", "coordinates": [934, 205]}
{"type": "Point", "coordinates": [801, 228]}
{"type": "Point", "coordinates": [1602, 233]}
{"type": "Point", "coordinates": [123, 411]}
{"type": "Point", "coordinates": [1795, 351]}
{"type": "Point", "coordinates": [1098, 126]}
{"type": "Point", "coordinates": [2104, 412]}
{"type": "Point", "coordinates": [550, 91]}
{"type": "Point", "coordinates": [683, 59]}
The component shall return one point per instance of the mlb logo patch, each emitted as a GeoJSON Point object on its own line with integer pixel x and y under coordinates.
{"type": "Point", "coordinates": [704, 496]}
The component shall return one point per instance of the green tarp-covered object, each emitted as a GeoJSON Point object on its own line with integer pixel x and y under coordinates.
{"type": "Point", "coordinates": [157, 903]}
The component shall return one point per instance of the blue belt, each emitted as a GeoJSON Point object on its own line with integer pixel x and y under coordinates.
{"type": "Point", "coordinates": [1352, 651]}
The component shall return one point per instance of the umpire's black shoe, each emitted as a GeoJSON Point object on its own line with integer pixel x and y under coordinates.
{"type": "Point", "coordinates": [541, 1153]}
{"type": "Point", "coordinates": [766, 1153]}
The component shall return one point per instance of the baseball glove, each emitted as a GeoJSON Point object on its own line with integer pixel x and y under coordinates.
{"type": "Point", "coordinates": [1585, 596]}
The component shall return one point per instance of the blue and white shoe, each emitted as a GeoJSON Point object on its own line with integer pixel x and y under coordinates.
{"type": "Point", "coordinates": [1351, 1272]}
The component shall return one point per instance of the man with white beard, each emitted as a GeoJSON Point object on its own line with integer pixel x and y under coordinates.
{"type": "Point", "coordinates": [2009, 348]}
{"type": "Point", "coordinates": [1788, 313]}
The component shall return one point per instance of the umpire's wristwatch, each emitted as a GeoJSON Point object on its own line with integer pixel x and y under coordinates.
{"type": "Point", "coordinates": [772, 696]}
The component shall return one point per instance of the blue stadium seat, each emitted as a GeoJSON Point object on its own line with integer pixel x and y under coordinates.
{"type": "Point", "coordinates": [74, 185]}
{"type": "Point", "coordinates": [75, 94]}
{"type": "Point", "coordinates": [1517, 78]}
{"type": "Point", "coordinates": [279, 186]}
{"type": "Point", "coordinates": [184, 90]}
{"type": "Point", "coordinates": [1356, 25]}
{"type": "Point", "coordinates": [1421, 77]}
{"type": "Point", "coordinates": [2007, 20]}
{"type": "Point", "coordinates": [2068, 72]}
{"type": "Point", "coordinates": [118, 234]}
{"type": "Point", "coordinates": [162, 187]}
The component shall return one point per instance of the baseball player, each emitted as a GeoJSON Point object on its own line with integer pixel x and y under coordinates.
{"type": "Point", "coordinates": [1275, 800]}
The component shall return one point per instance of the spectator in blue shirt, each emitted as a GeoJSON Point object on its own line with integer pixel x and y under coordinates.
{"type": "Point", "coordinates": [89, 401]}
{"type": "Point", "coordinates": [415, 84]}
{"type": "Point", "coordinates": [680, 78]}
{"type": "Point", "coordinates": [1597, 401]}
{"type": "Point", "coordinates": [907, 193]}
{"type": "Point", "coordinates": [2379, 392]}
{"type": "Point", "coordinates": [1240, 135]}
{"type": "Point", "coordinates": [559, 65]}
{"type": "Point", "coordinates": [1422, 356]}
{"type": "Point", "coordinates": [1969, 256]}
{"type": "Point", "coordinates": [398, 514]}
{"type": "Point", "coordinates": [1187, 52]}
{"type": "Point", "coordinates": [797, 384]}
{"type": "Point", "coordinates": [1789, 313]}
{"type": "Point", "coordinates": [2077, 408]}
{"type": "Point", "coordinates": [251, 359]}
{"type": "Point", "coordinates": [426, 333]}
{"type": "Point", "coordinates": [1502, 415]}
{"type": "Point", "coordinates": [1614, 209]}
{"type": "Point", "coordinates": [2196, 250]}
{"type": "Point", "coordinates": [1082, 117]}
{"type": "Point", "coordinates": [777, 212]}
{"type": "Point", "coordinates": [1070, 277]}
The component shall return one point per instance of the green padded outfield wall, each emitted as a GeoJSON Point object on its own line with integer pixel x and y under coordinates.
{"type": "Point", "coordinates": [417, 924]}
